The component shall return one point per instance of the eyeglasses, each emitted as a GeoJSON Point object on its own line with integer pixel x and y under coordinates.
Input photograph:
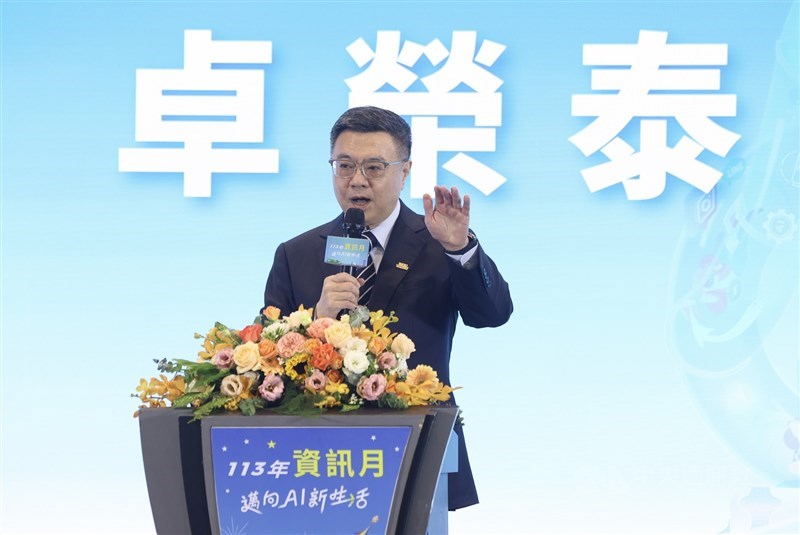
{"type": "Point", "coordinates": [371, 169]}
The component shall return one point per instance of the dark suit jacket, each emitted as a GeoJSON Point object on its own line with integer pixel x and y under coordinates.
{"type": "Point", "coordinates": [428, 296]}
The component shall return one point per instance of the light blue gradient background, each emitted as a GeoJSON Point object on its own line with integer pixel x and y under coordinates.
{"type": "Point", "coordinates": [579, 415]}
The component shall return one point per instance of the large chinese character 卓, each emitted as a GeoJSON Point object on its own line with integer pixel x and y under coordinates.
{"type": "Point", "coordinates": [198, 106]}
{"type": "Point", "coordinates": [645, 89]}
{"type": "Point", "coordinates": [390, 64]}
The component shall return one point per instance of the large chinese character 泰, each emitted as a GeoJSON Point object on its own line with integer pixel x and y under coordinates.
{"type": "Point", "coordinates": [642, 88]}
{"type": "Point", "coordinates": [198, 106]}
{"type": "Point", "coordinates": [390, 64]}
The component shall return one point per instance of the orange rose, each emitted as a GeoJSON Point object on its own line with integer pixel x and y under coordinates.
{"type": "Point", "coordinates": [377, 345]}
{"type": "Point", "coordinates": [251, 333]}
{"type": "Point", "coordinates": [271, 312]}
{"type": "Point", "coordinates": [324, 354]}
{"type": "Point", "coordinates": [267, 348]}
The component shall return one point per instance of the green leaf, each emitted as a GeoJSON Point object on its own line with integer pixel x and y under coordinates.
{"type": "Point", "coordinates": [189, 398]}
{"type": "Point", "coordinates": [217, 402]}
{"type": "Point", "coordinates": [248, 406]}
{"type": "Point", "coordinates": [391, 401]}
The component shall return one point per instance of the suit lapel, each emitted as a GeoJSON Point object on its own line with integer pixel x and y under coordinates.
{"type": "Point", "coordinates": [405, 244]}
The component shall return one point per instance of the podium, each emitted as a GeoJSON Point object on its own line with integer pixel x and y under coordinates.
{"type": "Point", "coordinates": [367, 471]}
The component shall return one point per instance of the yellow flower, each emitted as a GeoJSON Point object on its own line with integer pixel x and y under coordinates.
{"type": "Point", "coordinates": [377, 345]}
{"type": "Point", "coordinates": [379, 322]}
{"type": "Point", "coordinates": [176, 388]}
{"type": "Point", "coordinates": [362, 332]}
{"type": "Point", "coordinates": [422, 374]}
{"type": "Point", "coordinates": [328, 402]}
{"type": "Point", "coordinates": [291, 366]}
{"type": "Point", "coordinates": [246, 357]}
{"type": "Point", "coordinates": [271, 365]}
{"type": "Point", "coordinates": [337, 388]}
{"type": "Point", "coordinates": [272, 313]}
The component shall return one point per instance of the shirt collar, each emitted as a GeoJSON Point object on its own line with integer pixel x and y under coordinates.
{"type": "Point", "coordinates": [382, 230]}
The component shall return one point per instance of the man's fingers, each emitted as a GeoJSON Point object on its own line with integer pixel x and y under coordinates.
{"type": "Point", "coordinates": [456, 197]}
{"type": "Point", "coordinates": [439, 195]}
{"type": "Point", "coordinates": [427, 204]}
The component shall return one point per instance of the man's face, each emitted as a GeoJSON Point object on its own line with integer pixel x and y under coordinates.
{"type": "Point", "coordinates": [376, 197]}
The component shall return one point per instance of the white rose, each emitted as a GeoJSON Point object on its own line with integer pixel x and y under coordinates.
{"type": "Point", "coordinates": [300, 317]}
{"type": "Point", "coordinates": [401, 369]}
{"type": "Point", "coordinates": [403, 346]}
{"type": "Point", "coordinates": [356, 361]}
{"type": "Point", "coordinates": [355, 344]}
{"type": "Point", "coordinates": [275, 331]}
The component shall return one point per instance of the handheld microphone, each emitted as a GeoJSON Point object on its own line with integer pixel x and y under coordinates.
{"type": "Point", "coordinates": [354, 227]}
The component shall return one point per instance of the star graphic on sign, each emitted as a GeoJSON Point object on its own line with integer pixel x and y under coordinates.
{"type": "Point", "coordinates": [227, 491]}
{"type": "Point", "coordinates": [397, 448]}
{"type": "Point", "coordinates": [373, 438]}
{"type": "Point", "coordinates": [224, 448]}
{"type": "Point", "coordinates": [271, 444]}
{"type": "Point", "coordinates": [246, 441]}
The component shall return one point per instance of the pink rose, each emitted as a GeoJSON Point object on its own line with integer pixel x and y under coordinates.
{"type": "Point", "coordinates": [318, 326]}
{"type": "Point", "coordinates": [372, 387]}
{"type": "Point", "coordinates": [223, 359]}
{"type": "Point", "coordinates": [271, 388]}
{"type": "Point", "coordinates": [291, 344]}
{"type": "Point", "coordinates": [387, 361]}
{"type": "Point", "coordinates": [316, 381]}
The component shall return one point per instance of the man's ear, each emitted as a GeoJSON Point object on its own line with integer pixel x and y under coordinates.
{"type": "Point", "coordinates": [406, 170]}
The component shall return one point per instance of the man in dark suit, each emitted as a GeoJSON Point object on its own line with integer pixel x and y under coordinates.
{"type": "Point", "coordinates": [429, 269]}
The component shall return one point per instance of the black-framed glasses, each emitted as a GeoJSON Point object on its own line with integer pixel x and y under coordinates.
{"type": "Point", "coordinates": [371, 169]}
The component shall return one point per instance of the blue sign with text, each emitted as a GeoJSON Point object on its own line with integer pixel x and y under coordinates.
{"type": "Point", "coordinates": [347, 251]}
{"type": "Point", "coordinates": [311, 480]}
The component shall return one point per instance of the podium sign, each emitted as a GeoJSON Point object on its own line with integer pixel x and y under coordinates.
{"type": "Point", "coordinates": [310, 480]}
{"type": "Point", "coordinates": [374, 469]}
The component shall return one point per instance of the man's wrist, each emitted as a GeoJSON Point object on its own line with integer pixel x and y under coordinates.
{"type": "Point", "coordinates": [472, 240]}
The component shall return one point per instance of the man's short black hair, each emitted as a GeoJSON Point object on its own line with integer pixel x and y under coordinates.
{"type": "Point", "coordinates": [368, 119]}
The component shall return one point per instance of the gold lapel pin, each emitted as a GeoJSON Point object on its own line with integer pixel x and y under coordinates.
{"type": "Point", "coordinates": [402, 265]}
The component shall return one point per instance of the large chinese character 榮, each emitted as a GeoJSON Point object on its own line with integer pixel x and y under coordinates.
{"type": "Point", "coordinates": [390, 64]}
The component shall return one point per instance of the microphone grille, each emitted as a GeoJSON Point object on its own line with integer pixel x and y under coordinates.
{"type": "Point", "coordinates": [354, 216]}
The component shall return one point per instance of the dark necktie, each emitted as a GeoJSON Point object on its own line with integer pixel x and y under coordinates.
{"type": "Point", "coordinates": [368, 273]}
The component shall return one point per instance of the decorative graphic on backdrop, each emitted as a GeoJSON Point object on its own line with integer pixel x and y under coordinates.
{"type": "Point", "coordinates": [391, 64]}
{"type": "Point", "coordinates": [634, 97]}
{"type": "Point", "coordinates": [198, 106]}
{"type": "Point", "coordinates": [736, 286]}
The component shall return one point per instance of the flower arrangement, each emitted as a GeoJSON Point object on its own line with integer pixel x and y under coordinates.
{"type": "Point", "coordinates": [296, 364]}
